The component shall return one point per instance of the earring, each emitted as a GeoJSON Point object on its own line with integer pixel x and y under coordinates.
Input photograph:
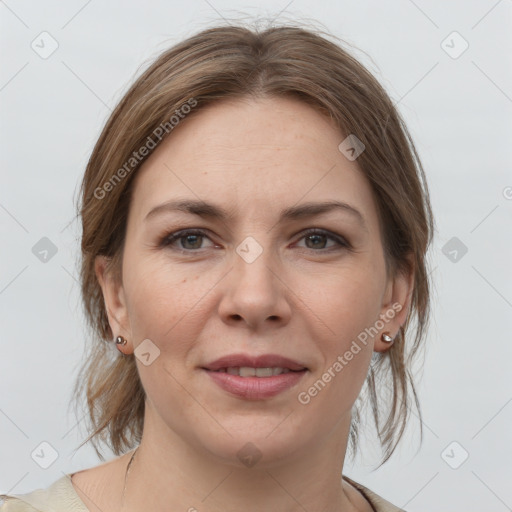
{"type": "Point", "coordinates": [121, 341]}
{"type": "Point", "coordinates": [386, 338]}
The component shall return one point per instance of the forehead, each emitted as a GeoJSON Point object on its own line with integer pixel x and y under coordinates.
{"type": "Point", "coordinates": [254, 157]}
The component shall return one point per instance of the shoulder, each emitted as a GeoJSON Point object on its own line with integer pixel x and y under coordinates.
{"type": "Point", "coordinates": [99, 487]}
{"type": "Point", "coordinates": [59, 497]}
{"type": "Point", "coordinates": [378, 503]}
{"type": "Point", "coordinates": [82, 491]}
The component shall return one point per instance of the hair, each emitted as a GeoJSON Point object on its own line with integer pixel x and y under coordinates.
{"type": "Point", "coordinates": [236, 62]}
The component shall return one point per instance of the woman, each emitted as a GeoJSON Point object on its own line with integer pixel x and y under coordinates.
{"type": "Point", "coordinates": [255, 224]}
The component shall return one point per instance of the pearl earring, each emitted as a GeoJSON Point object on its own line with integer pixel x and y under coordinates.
{"type": "Point", "coordinates": [121, 341]}
{"type": "Point", "coordinates": [386, 338]}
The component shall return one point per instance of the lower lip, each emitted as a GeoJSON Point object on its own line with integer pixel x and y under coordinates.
{"type": "Point", "coordinates": [256, 388]}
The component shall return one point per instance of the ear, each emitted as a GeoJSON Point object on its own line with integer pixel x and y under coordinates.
{"type": "Point", "coordinates": [115, 302]}
{"type": "Point", "coordinates": [396, 304]}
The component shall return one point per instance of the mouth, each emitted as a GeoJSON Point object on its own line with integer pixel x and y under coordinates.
{"type": "Point", "coordinates": [255, 377]}
{"type": "Point", "coordinates": [247, 365]}
{"type": "Point", "coordinates": [247, 371]}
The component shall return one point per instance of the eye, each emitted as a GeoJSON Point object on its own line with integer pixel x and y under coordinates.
{"type": "Point", "coordinates": [316, 239]}
{"type": "Point", "coordinates": [190, 239]}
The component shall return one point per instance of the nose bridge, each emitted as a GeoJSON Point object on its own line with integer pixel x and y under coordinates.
{"type": "Point", "coordinates": [253, 262]}
{"type": "Point", "coordinates": [254, 292]}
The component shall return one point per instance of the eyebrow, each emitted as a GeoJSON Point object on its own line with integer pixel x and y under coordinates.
{"type": "Point", "coordinates": [208, 210]}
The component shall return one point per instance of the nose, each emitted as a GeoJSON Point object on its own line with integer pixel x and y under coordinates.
{"type": "Point", "coordinates": [255, 293]}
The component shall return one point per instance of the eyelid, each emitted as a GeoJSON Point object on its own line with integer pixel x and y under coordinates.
{"type": "Point", "coordinates": [340, 240]}
{"type": "Point", "coordinates": [169, 238]}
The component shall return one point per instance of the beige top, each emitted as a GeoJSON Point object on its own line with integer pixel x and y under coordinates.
{"type": "Point", "coordinates": [62, 497]}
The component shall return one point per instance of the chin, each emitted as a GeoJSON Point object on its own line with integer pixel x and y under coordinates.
{"type": "Point", "coordinates": [260, 441]}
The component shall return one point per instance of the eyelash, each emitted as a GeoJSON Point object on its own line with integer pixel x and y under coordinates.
{"type": "Point", "coordinates": [167, 240]}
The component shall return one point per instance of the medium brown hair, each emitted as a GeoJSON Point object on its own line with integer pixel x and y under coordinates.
{"type": "Point", "coordinates": [236, 62]}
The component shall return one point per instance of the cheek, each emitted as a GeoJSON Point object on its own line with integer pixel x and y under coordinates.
{"type": "Point", "coordinates": [345, 302]}
{"type": "Point", "coordinates": [349, 308]}
{"type": "Point", "coordinates": [151, 297]}
{"type": "Point", "coordinates": [165, 303]}
{"type": "Point", "coordinates": [347, 305]}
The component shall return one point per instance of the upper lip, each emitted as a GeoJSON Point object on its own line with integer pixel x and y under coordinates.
{"type": "Point", "coordinates": [262, 361]}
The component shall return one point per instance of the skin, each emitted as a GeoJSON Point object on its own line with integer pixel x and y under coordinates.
{"type": "Point", "coordinates": [303, 298]}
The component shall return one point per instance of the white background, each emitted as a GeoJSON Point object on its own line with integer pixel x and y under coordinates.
{"type": "Point", "coordinates": [459, 112]}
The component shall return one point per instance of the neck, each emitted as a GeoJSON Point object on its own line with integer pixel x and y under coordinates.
{"type": "Point", "coordinates": [168, 474]}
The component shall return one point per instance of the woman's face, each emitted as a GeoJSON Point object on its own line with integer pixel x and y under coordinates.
{"type": "Point", "coordinates": [254, 282]}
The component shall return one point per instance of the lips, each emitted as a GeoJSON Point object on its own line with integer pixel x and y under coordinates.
{"type": "Point", "coordinates": [247, 361]}
{"type": "Point", "coordinates": [255, 377]}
